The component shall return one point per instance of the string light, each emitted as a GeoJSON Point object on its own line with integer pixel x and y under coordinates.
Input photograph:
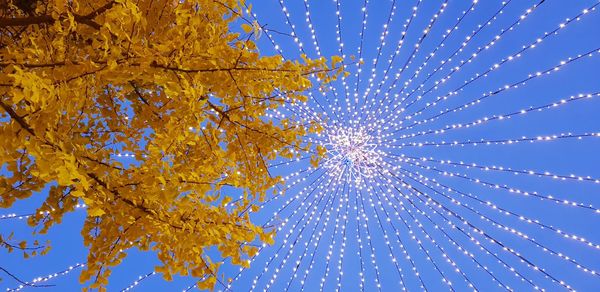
{"type": "Point", "coordinates": [517, 84]}
{"type": "Point", "coordinates": [511, 190]}
{"type": "Point", "coordinates": [450, 239]}
{"type": "Point", "coordinates": [509, 141]}
{"type": "Point", "coordinates": [499, 117]}
{"type": "Point", "coordinates": [417, 47]}
{"type": "Point", "coordinates": [316, 245]}
{"type": "Point", "coordinates": [520, 234]}
{"type": "Point", "coordinates": [295, 242]}
{"type": "Point", "coordinates": [367, 166]}
{"type": "Point", "coordinates": [490, 44]}
{"type": "Point", "coordinates": [313, 204]}
{"type": "Point", "coordinates": [476, 101]}
{"type": "Point", "coordinates": [49, 277]}
{"type": "Point", "coordinates": [27, 215]}
{"type": "Point", "coordinates": [138, 281]}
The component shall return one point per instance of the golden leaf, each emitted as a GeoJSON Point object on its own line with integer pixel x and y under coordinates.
{"type": "Point", "coordinates": [134, 115]}
{"type": "Point", "coordinates": [95, 212]}
{"type": "Point", "coordinates": [247, 28]}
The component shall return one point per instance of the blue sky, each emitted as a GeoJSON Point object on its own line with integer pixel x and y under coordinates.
{"type": "Point", "coordinates": [559, 156]}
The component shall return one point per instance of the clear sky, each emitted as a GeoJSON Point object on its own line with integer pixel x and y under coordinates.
{"type": "Point", "coordinates": [413, 147]}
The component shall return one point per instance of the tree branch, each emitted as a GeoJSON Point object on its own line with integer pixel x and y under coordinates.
{"type": "Point", "coordinates": [17, 118]}
{"type": "Point", "coordinates": [47, 19]}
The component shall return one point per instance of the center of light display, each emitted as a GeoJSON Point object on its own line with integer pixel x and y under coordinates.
{"type": "Point", "coordinates": [351, 153]}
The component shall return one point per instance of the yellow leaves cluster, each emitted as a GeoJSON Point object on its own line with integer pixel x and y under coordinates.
{"type": "Point", "coordinates": [29, 86]}
{"type": "Point", "coordinates": [83, 81]}
{"type": "Point", "coordinates": [28, 251]}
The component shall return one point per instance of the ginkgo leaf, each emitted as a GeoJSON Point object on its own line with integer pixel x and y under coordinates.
{"type": "Point", "coordinates": [145, 114]}
{"type": "Point", "coordinates": [96, 212]}
{"type": "Point", "coordinates": [77, 193]}
{"type": "Point", "coordinates": [247, 28]}
{"type": "Point", "coordinates": [335, 60]}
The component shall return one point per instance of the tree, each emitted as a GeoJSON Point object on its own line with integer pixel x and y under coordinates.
{"type": "Point", "coordinates": [166, 81]}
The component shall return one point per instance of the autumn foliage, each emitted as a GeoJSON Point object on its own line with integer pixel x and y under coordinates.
{"type": "Point", "coordinates": [165, 81]}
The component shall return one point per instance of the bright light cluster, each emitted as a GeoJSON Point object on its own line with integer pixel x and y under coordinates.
{"type": "Point", "coordinates": [351, 150]}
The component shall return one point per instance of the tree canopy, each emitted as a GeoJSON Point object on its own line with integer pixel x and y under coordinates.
{"type": "Point", "coordinates": [170, 84]}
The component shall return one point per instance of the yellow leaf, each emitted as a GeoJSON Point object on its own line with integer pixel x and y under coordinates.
{"type": "Point", "coordinates": [336, 60]}
{"type": "Point", "coordinates": [247, 28]}
{"type": "Point", "coordinates": [112, 64]}
{"type": "Point", "coordinates": [95, 212]}
{"type": "Point", "coordinates": [314, 161]}
{"type": "Point", "coordinates": [226, 200]}
{"type": "Point", "coordinates": [134, 85]}
{"type": "Point", "coordinates": [77, 193]}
